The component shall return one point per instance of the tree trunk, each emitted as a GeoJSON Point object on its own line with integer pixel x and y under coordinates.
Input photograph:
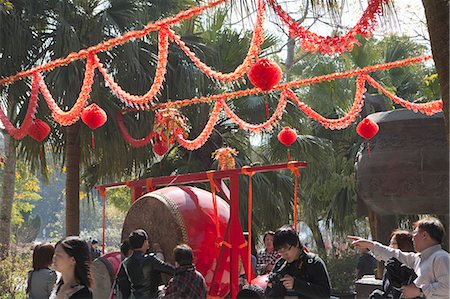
{"type": "Point", "coordinates": [313, 225]}
{"type": "Point", "coordinates": [72, 163]}
{"type": "Point", "coordinates": [9, 181]}
{"type": "Point", "coordinates": [289, 58]}
{"type": "Point", "coordinates": [436, 12]}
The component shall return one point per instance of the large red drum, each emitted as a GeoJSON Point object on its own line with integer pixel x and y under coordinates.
{"type": "Point", "coordinates": [182, 214]}
{"type": "Point", "coordinates": [104, 271]}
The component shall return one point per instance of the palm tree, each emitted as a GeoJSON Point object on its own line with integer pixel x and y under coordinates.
{"type": "Point", "coordinates": [437, 22]}
{"type": "Point", "coordinates": [19, 50]}
{"type": "Point", "coordinates": [75, 25]}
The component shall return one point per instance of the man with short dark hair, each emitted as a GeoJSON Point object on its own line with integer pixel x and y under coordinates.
{"type": "Point", "coordinates": [297, 273]}
{"type": "Point", "coordinates": [431, 263]}
{"type": "Point", "coordinates": [187, 282]}
{"type": "Point", "coordinates": [144, 270]}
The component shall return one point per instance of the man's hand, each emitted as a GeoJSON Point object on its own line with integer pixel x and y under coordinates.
{"type": "Point", "coordinates": [361, 242]}
{"type": "Point", "coordinates": [288, 282]}
{"type": "Point", "coordinates": [410, 291]}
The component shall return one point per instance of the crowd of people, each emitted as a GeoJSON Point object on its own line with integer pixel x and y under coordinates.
{"type": "Point", "coordinates": [416, 267]}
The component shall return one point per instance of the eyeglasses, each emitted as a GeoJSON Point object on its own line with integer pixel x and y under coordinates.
{"type": "Point", "coordinates": [284, 250]}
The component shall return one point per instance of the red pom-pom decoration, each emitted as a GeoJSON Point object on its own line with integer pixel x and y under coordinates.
{"type": "Point", "coordinates": [94, 116]}
{"type": "Point", "coordinates": [39, 130]}
{"type": "Point", "coordinates": [265, 74]}
{"type": "Point", "coordinates": [161, 147]}
{"type": "Point", "coordinates": [287, 136]}
{"type": "Point", "coordinates": [367, 128]}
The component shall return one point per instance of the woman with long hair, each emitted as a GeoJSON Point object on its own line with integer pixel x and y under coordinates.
{"type": "Point", "coordinates": [72, 260]}
{"type": "Point", "coordinates": [41, 279]}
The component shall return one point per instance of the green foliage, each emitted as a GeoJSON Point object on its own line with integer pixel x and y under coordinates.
{"type": "Point", "coordinates": [91, 220]}
{"type": "Point", "coordinates": [120, 198]}
{"type": "Point", "coordinates": [6, 6]}
{"type": "Point", "coordinates": [28, 230]}
{"type": "Point", "coordinates": [342, 271]}
{"type": "Point", "coordinates": [26, 193]}
{"type": "Point", "coordinates": [13, 273]}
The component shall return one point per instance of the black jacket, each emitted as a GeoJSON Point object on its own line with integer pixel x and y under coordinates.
{"type": "Point", "coordinates": [311, 278]}
{"type": "Point", "coordinates": [144, 273]}
{"type": "Point", "coordinates": [123, 283]}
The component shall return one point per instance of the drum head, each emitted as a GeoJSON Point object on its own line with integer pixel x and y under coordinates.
{"type": "Point", "coordinates": [101, 273]}
{"type": "Point", "coordinates": [158, 217]}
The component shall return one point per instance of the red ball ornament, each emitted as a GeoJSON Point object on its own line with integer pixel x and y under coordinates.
{"type": "Point", "coordinates": [161, 147]}
{"type": "Point", "coordinates": [367, 128]}
{"type": "Point", "coordinates": [287, 136]}
{"type": "Point", "coordinates": [94, 116]}
{"type": "Point", "coordinates": [39, 130]}
{"type": "Point", "coordinates": [265, 74]}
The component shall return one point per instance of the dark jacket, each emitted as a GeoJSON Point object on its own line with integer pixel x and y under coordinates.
{"type": "Point", "coordinates": [144, 273]}
{"type": "Point", "coordinates": [122, 283]}
{"type": "Point", "coordinates": [310, 274]}
{"type": "Point", "coordinates": [82, 292]}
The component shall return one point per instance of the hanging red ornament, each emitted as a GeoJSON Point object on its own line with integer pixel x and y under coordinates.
{"type": "Point", "coordinates": [94, 116]}
{"type": "Point", "coordinates": [161, 147]}
{"type": "Point", "coordinates": [287, 136]}
{"type": "Point", "coordinates": [367, 128]}
{"type": "Point", "coordinates": [265, 74]}
{"type": "Point", "coordinates": [39, 130]}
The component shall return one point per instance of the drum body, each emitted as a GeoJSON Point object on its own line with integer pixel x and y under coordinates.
{"type": "Point", "coordinates": [182, 214]}
{"type": "Point", "coordinates": [104, 271]}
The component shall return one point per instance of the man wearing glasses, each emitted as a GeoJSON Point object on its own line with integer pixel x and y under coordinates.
{"type": "Point", "coordinates": [431, 263]}
{"type": "Point", "coordinates": [297, 273]}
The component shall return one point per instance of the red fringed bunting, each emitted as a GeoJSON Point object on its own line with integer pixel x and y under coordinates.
{"type": "Point", "coordinates": [39, 130]}
{"type": "Point", "coordinates": [265, 74]}
{"type": "Point", "coordinates": [94, 116]}
{"type": "Point", "coordinates": [367, 128]}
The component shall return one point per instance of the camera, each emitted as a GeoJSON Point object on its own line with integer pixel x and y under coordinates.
{"type": "Point", "coordinates": [275, 277]}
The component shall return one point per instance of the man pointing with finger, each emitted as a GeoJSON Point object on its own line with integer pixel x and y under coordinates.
{"type": "Point", "coordinates": [431, 263]}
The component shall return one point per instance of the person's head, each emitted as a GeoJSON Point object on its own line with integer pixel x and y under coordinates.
{"type": "Point", "coordinates": [250, 291]}
{"type": "Point", "coordinates": [427, 232]}
{"type": "Point", "coordinates": [43, 256]}
{"type": "Point", "coordinates": [72, 255]}
{"type": "Point", "coordinates": [287, 243]}
{"type": "Point", "coordinates": [94, 244]}
{"type": "Point", "coordinates": [268, 240]}
{"type": "Point", "coordinates": [139, 240]}
{"type": "Point", "coordinates": [183, 255]}
{"type": "Point", "coordinates": [125, 248]}
{"type": "Point", "coordinates": [402, 239]}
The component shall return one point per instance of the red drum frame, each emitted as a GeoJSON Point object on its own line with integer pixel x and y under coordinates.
{"type": "Point", "coordinates": [234, 237]}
